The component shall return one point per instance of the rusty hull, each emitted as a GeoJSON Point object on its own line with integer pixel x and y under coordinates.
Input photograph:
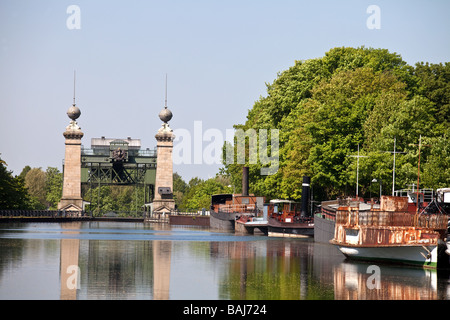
{"type": "Point", "coordinates": [389, 225]}
{"type": "Point", "coordinates": [384, 236]}
{"type": "Point", "coordinates": [394, 204]}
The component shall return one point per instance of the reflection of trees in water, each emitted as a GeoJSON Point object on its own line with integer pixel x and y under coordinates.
{"type": "Point", "coordinates": [271, 270]}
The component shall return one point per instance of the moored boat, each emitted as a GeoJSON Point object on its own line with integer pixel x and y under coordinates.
{"type": "Point", "coordinates": [392, 233]}
{"type": "Point", "coordinates": [285, 220]}
{"type": "Point", "coordinates": [226, 208]}
{"type": "Point", "coordinates": [430, 201]}
{"type": "Point", "coordinates": [325, 220]}
{"type": "Point", "coordinates": [290, 219]}
{"type": "Point", "coordinates": [249, 224]}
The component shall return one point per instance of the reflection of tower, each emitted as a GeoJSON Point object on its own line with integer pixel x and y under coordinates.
{"type": "Point", "coordinates": [163, 200]}
{"type": "Point", "coordinates": [71, 195]}
{"type": "Point", "coordinates": [161, 269]}
{"type": "Point", "coordinates": [70, 272]}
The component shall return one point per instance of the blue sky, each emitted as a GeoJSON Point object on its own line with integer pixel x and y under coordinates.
{"type": "Point", "coordinates": [218, 56]}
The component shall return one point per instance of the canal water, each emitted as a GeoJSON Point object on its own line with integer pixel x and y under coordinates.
{"type": "Point", "coordinates": [136, 261]}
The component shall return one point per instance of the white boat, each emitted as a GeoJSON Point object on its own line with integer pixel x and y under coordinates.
{"type": "Point", "coordinates": [425, 255]}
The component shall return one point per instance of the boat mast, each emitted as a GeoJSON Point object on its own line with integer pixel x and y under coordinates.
{"type": "Point", "coordinates": [393, 168]}
{"type": "Point", "coordinates": [418, 171]}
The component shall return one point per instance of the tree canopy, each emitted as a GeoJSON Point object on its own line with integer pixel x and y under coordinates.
{"type": "Point", "coordinates": [13, 194]}
{"type": "Point", "coordinates": [325, 107]}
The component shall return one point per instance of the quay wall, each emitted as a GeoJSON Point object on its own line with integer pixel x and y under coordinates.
{"type": "Point", "coordinates": [323, 229]}
{"type": "Point", "coordinates": [189, 220]}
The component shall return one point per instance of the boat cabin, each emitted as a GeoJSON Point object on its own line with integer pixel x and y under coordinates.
{"type": "Point", "coordinates": [285, 211]}
{"type": "Point", "coordinates": [233, 203]}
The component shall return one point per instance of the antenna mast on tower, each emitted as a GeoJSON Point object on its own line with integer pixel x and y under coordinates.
{"type": "Point", "coordinates": [74, 77]}
{"type": "Point", "coordinates": [165, 102]}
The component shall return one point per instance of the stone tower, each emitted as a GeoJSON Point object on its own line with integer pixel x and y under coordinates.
{"type": "Point", "coordinates": [71, 195]}
{"type": "Point", "coordinates": [163, 201]}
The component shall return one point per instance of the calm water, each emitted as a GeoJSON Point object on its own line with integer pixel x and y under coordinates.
{"type": "Point", "coordinates": [109, 260]}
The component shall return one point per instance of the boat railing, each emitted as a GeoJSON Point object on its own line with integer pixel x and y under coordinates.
{"type": "Point", "coordinates": [353, 218]}
{"type": "Point", "coordinates": [245, 208]}
{"type": "Point", "coordinates": [327, 214]}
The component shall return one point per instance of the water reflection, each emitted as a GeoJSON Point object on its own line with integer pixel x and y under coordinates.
{"type": "Point", "coordinates": [351, 283]}
{"type": "Point", "coordinates": [70, 272]}
{"type": "Point", "coordinates": [161, 274]}
{"type": "Point", "coordinates": [115, 261]}
{"type": "Point", "coordinates": [271, 270]}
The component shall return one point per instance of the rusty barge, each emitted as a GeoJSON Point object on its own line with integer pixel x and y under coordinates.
{"type": "Point", "coordinates": [393, 232]}
{"type": "Point", "coordinates": [227, 208]}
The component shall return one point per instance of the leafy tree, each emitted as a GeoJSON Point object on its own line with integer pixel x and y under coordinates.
{"type": "Point", "coordinates": [434, 80]}
{"type": "Point", "coordinates": [35, 182]}
{"type": "Point", "coordinates": [199, 195]}
{"type": "Point", "coordinates": [24, 172]}
{"type": "Point", "coordinates": [179, 189]}
{"type": "Point", "coordinates": [123, 200]}
{"type": "Point", "coordinates": [13, 194]}
{"type": "Point", "coordinates": [436, 169]}
{"type": "Point", "coordinates": [326, 107]}
{"type": "Point", "coordinates": [54, 183]}
{"type": "Point", "coordinates": [100, 200]}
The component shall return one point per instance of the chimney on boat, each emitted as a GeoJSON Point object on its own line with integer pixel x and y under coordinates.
{"type": "Point", "coordinates": [305, 195]}
{"type": "Point", "coordinates": [245, 181]}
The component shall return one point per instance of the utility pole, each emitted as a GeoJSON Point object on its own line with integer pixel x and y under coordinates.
{"type": "Point", "coordinates": [393, 167]}
{"type": "Point", "coordinates": [418, 170]}
{"type": "Point", "coordinates": [357, 169]}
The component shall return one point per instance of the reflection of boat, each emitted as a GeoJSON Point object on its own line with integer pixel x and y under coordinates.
{"type": "Point", "coordinates": [226, 208]}
{"type": "Point", "coordinates": [290, 219]}
{"type": "Point", "coordinates": [391, 232]}
{"type": "Point", "coordinates": [357, 281]}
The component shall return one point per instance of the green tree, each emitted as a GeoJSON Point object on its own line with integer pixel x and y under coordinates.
{"type": "Point", "coordinates": [24, 172]}
{"type": "Point", "coordinates": [434, 80]}
{"type": "Point", "coordinates": [54, 182]}
{"type": "Point", "coordinates": [199, 195]}
{"type": "Point", "coordinates": [326, 107]}
{"type": "Point", "coordinates": [13, 193]}
{"type": "Point", "coordinates": [35, 182]}
{"type": "Point", "coordinates": [179, 189]}
{"type": "Point", "coordinates": [100, 200]}
{"type": "Point", "coordinates": [436, 169]}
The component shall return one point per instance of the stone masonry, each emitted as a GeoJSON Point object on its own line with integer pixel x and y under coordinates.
{"type": "Point", "coordinates": [163, 199]}
{"type": "Point", "coordinates": [71, 195]}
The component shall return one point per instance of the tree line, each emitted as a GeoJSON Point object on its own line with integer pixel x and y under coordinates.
{"type": "Point", "coordinates": [32, 189]}
{"type": "Point", "coordinates": [36, 189]}
{"type": "Point", "coordinates": [326, 108]}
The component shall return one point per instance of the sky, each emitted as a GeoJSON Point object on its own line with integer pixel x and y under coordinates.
{"type": "Point", "coordinates": [217, 55]}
